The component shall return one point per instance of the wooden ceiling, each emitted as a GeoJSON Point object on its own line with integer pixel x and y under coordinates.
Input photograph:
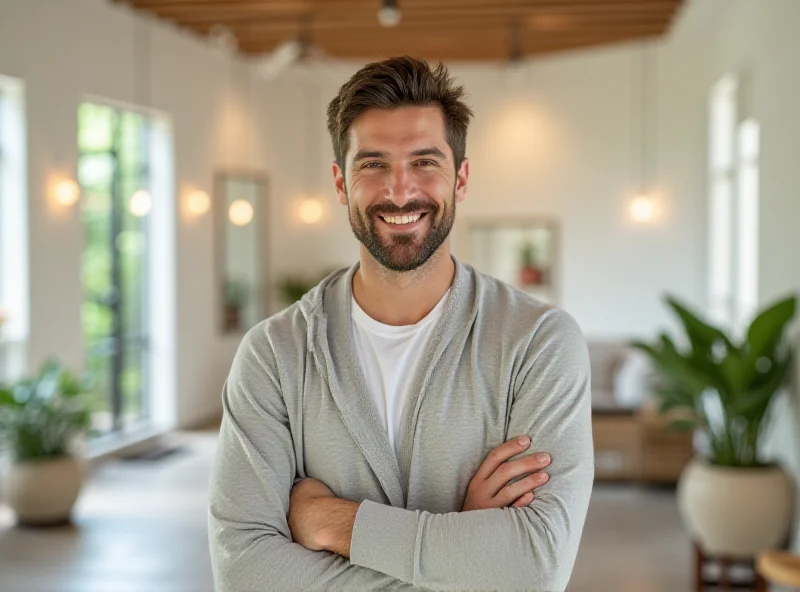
{"type": "Point", "coordinates": [434, 29]}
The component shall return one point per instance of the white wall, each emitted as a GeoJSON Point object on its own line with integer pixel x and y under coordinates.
{"type": "Point", "coordinates": [64, 51]}
{"type": "Point", "coordinates": [557, 143]}
{"type": "Point", "coordinates": [762, 40]}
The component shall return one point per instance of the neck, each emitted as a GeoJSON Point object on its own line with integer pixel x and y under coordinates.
{"type": "Point", "coordinates": [402, 298]}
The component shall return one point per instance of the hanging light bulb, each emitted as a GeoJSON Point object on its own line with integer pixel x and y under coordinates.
{"type": "Point", "coordinates": [241, 212]}
{"type": "Point", "coordinates": [642, 208]}
{"type": "Point", "coordinates": [389, 14]}
{"type": "Point", "coordinates": [140, 204]}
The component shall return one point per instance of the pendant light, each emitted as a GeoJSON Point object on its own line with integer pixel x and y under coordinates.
{"type": "Point", "coordinates": [516, 65]}
{"type": "Point", "coordinates": [310, 208]}
{"type": "Point", "coordinates": [389, 14]}
{"type": "Point", "coordinates": [642, 208]}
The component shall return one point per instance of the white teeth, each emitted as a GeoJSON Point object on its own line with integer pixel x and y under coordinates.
{"type": "Point", "coordinates": [401, 219]}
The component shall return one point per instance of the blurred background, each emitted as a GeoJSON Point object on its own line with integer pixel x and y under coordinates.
{"type": "Point", "coordinates": [165, 184]}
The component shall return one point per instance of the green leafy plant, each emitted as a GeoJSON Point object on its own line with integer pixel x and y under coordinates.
{"type": "Point", "coordinates": [527, 254]}
{"type": "Point", "coordinates": [294, 288]}
{"type": "Point", "coordinates": [722, 386]}
{"type": "Point", "coordinates": [235, 293]}
{"type": "Point", "coordinates": [40, 415]}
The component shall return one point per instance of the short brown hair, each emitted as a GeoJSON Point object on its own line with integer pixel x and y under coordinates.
{"type": "Point", "coordinates": [398, 82]}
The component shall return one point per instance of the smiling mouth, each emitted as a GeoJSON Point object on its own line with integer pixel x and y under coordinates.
{"type": "Point", "coordinates": [403, 220]}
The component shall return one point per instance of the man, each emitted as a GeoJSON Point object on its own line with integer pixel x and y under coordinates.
{"type": "Point", "coordinates": [355, 447]}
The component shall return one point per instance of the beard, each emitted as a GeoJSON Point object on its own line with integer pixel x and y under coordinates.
{"type": "Point", "coordinates": [404, 251]}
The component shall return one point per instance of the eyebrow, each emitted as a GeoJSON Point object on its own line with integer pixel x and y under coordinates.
{"type": "Point", "coordinates": [362, 154]}
{"type": "Point", "coordinates": [429, 152]}
{"type": "Point", "coordinates": [433, 151]}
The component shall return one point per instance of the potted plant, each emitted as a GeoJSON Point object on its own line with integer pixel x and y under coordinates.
{"type": "Point", "coordinates": [235, 298]}
{"type": "Point", "coordinates": [40, 417]}
{"type": "Point", "coordinates": [733, 501]}
{"type": "Point", "coordinates": [293, 288]}
{"type": "Point", "coordinates": [529, 272]}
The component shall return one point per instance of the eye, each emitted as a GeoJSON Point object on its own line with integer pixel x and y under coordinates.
{"type": "Point", "coordinates": [425, 163]}
{"type": "Point", "coordinates": [372, 165]}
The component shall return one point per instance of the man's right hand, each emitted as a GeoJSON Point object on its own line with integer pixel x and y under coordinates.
{"type": "Point", "coordinates": [491, 487]}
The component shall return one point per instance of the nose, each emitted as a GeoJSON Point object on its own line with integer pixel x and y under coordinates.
{"type": "Point", "coordinates": [400, 186]}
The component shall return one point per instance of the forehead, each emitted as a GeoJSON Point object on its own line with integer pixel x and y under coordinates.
{"type": "Point", "coordinates": [402, 127]}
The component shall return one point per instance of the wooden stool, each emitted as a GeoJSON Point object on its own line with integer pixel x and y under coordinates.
{"type": "Point", "coordinates": [780, 568]}
{"type": "Point", "coordinates": [726, 581]}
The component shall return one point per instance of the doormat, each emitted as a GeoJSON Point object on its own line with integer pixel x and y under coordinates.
{"type": "Point", "coordinates": [157, 453]}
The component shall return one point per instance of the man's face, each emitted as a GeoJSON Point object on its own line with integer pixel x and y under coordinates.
{"type": "Point", "coordinates": [401, 185]}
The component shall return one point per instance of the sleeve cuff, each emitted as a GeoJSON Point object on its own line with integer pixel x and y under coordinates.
{"type": "Point", "coordinates": [384, 539]}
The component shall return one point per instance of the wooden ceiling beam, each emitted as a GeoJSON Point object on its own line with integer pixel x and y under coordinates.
{"type": "Point", "coordinates": [458, 35]}
{"type": "Point", "coordinates": [498, 42]}
{"type": "Point", "coordinates": [437, 29]}
{"type": "Point", "coordinates": [226, 12]}
{"type": "Point", "coordinates": [536, 22]}
{"type": "Point", "coordinates": [404, 4]}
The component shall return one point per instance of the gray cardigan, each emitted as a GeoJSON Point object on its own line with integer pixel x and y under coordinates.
{"type": "Point", "coordinates": [499, 364]}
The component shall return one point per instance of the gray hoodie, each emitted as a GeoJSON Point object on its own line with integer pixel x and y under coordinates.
{"type": "Point", "coordinates": [499, 364]}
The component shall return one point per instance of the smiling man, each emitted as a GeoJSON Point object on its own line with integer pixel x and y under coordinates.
{"type": "Point", "coordinates": [380, 434]}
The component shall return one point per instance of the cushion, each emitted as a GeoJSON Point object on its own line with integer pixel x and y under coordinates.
{"type": "Point", "coordinates": [633, 381]}
{"type": "Point", "coordinates": [604, 359]}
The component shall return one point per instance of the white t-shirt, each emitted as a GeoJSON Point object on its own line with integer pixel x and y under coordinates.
{"type": "Point", "coordinates": [388, 357]}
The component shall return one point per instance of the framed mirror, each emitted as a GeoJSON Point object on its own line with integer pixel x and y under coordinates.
{"type": "Point", "coordinates": [523, 252]}
{"type": "Point", "coordinates": [241, 222]}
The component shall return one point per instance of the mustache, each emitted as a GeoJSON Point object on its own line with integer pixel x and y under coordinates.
{"type": "Point", "coordinates": [390, 209]}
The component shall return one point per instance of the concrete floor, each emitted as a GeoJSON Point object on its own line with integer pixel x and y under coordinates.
{"type": "Point", "coordinates": [141, 527]}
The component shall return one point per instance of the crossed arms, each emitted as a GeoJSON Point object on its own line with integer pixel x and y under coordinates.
{"type": "Point", "coordinates": [529, 546]}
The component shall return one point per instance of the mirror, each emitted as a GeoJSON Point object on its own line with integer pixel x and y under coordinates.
{"type": "Point", "coordinates": [522, 252]}
{"type": "Point", "coordinates": [241, 245]}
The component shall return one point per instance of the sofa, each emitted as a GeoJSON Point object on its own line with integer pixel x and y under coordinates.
{"type": "Point", "coordinates": [631, 439]}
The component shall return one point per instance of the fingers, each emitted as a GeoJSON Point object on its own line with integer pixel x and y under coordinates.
{"type": "Point", "coordinates": [501, 454]}
{"type": "Point", "coordinates": [525, 500]}
{"type": "Point", "coordinates": [513, 491]}
{"type": "Point", "coordinates": [509, 471]}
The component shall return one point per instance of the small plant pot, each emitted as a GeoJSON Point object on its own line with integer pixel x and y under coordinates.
{"type": "Point", "coordinates": [530, 276]}
{"type": "Point", "coordinates": [43, 492]}
{"type": "Point", "coordinates": [735, 512]}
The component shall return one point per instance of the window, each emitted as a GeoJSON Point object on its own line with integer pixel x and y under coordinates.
{"type": "Point", "coordinates": [733, 208]}
{"type": "Point", "coordinates": [113, 171]}
{"type": "Point", "coordinates": [13, 230]}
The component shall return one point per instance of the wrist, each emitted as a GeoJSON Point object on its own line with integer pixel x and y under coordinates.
{"type": "Point", "coordinates": [337, 517]}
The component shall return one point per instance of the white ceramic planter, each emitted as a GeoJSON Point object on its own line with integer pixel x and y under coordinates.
{"type": "Point", "coordinates": [42, 492]}
{"type": "Point", "coordinates": [735, 512]}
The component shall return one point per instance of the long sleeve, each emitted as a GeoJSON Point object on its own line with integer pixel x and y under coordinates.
{"type": "Point", "coordinates": [532, 548]}
{"type": "Point", "coordinates": [252, 477]}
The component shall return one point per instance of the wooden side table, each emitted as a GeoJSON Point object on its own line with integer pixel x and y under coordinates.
{"type": "Point", "coordinates": [779, 567]}
{"type": "Point", "coordinates": [733, 573]}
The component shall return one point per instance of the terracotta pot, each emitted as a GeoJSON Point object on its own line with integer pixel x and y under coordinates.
{"type": "Point", "coordinates": [530, 276]}
{"type": "Point", "coordinates": [735, 512]}
{"type": "Point", "coordinates": [42, 492]}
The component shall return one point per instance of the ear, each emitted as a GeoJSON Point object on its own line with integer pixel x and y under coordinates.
{"type": "Point", "coordinates": [461, 181]}
{"type": "Point", "coordinates": [338, 183]}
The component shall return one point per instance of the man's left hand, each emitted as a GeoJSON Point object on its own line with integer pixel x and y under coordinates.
{"type": "Point", "coordinates": [319, 520]}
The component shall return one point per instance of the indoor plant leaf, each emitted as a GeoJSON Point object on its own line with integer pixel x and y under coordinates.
{"type": "Point", "coordinates": [767, 328]}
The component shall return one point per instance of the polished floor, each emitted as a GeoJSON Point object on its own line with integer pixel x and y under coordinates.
{"type": "Point", "coordinates": [140, 526]}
